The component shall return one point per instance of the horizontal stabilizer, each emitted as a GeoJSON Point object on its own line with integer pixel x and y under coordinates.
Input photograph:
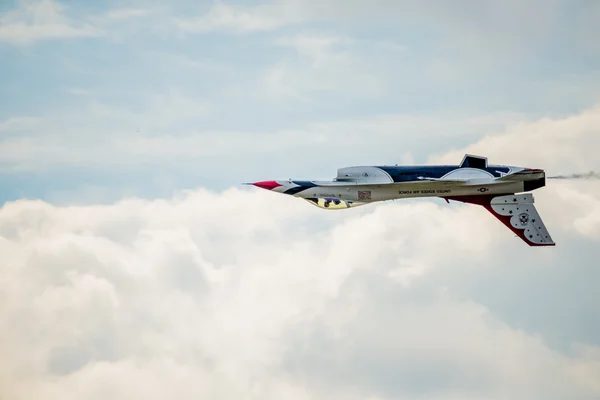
{"type": "Point", "coordinates": [518, 213]}
{"type": "Point", "coordinates": [440, 180]}
{"type": "Point", "coordinates": [525, 174]}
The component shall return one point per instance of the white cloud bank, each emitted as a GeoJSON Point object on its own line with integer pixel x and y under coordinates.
{"type": "Point", "coordinates": [247, 294]}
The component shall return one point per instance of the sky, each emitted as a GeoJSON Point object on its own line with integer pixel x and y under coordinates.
{"type": "Point", "coordinates": [135, 265]}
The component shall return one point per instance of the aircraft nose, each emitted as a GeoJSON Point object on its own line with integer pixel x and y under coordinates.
{"type": "Point", "coordinates": [269, 185]}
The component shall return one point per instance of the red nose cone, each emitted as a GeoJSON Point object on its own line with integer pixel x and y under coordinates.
{"type": "Point", "coordinates": [269, 185]}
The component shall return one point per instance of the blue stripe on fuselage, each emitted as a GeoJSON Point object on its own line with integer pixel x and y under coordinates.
{"type": "Point", "coordinates": [302, 185]}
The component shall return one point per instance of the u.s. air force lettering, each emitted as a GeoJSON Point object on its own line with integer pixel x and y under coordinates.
{"type": "Point", "coordinates": [426, 191]}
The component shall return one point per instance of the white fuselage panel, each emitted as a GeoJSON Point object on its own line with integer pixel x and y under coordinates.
{"type": "Point", "coordinates": [371, 193]}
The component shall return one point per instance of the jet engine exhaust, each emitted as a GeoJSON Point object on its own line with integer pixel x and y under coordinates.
{"type": "Point", "coordinates": [589, 175]}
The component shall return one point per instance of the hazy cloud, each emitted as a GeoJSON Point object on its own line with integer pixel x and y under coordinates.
{"type": "Point", "coordinates": [41, 20]}
{"type": "Point", "coordinates": [237, 19]}
{"type": "Point", "coordinates": [126, 13]}
{"type": "Point", "coordinates": [140, 138]}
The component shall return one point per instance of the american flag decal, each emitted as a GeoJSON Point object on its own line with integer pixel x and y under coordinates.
{"type": "Point", "coordinates": [366, 195]}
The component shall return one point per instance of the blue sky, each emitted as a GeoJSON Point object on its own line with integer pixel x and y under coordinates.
{"type": "Point", "coordinates": [238, 87]}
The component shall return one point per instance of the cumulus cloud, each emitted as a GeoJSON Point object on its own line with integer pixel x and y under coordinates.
{"type": "Point", "coordinates": [249, 294]}
{"type": "Point", "coordinates": [560, 145]}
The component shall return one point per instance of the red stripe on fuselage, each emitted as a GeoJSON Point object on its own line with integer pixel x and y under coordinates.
{"type": "Point", "coordinates": [269, 185]}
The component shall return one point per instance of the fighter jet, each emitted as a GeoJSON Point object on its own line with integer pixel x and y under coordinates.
{"type": "Point", "coordinates": [498, 188]}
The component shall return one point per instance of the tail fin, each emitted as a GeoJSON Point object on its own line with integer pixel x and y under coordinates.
{"type": "Point", "coordinates": [518, 213]}
{"type": "Point", "coordinates": [471, 161]}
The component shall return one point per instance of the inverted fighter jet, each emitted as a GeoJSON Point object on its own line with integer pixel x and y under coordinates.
{"type": "Point", "coordinates": [498, 188]}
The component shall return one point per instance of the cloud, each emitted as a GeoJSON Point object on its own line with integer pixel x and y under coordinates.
{"type": "Point", "coordinates": [161, 131]}
{"type": "Point", "coordinates": [312, 46]}
{"type": "Point", "coordinates": [125, 139]}
{"type": "Point", "coordinates": [75, 91]}
{"type": "Point", "coordinates": [451, 50]}
{"type": "Point", "coordinates": [320, 64]}
{"type": "Point", "coordinates": [410, 357]}
{"type": "Point", "coordinates": [223, 17]}
{"type": "Point", "coordinates": [246, 293]}
{"type": "Point", "coordinates": [474, 24]}
{"type": "Point", "coordinates": [559, 145]}
{"type": "Point", "coordinates": [41, 20]}
{"type": "Point", "coordinates": [127, 13]}
{"type": "Point", "coordinates": [103, 130]}
{"type": "Point", "coordinates": [17, 124]}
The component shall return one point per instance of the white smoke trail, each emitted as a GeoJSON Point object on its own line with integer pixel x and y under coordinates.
{"type": "Point", "coordinates": [589, 175]}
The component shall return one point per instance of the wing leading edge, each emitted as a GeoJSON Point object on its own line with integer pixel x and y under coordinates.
{"type": "Point", "coordinates": [518, 213]}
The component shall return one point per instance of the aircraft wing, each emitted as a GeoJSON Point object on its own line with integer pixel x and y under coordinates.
{"type": "Point", "coordinates": [518, 213]}
{"type": "Point", "coordinates": [447, 181]}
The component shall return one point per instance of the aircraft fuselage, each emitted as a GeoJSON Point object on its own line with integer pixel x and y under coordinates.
{"type": "Point", "coordinates": [380, 183]}
{"type": "Point", "coordinates": [494, 187]}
